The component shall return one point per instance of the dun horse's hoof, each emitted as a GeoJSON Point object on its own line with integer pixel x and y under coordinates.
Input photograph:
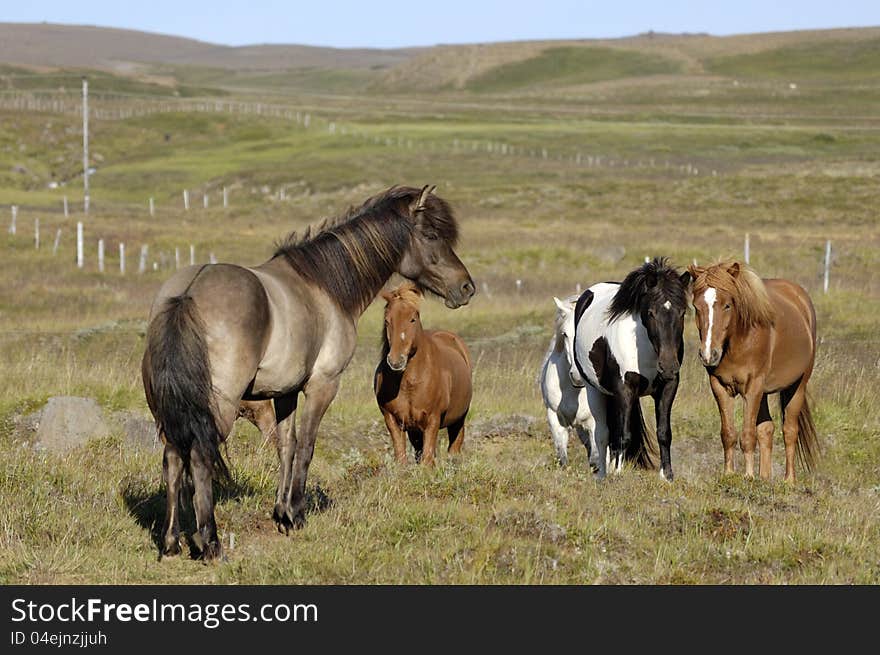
{"type": "Point", "coordinates": [170, 549]}
{"type": "Point", "coordinates": [213, 552]}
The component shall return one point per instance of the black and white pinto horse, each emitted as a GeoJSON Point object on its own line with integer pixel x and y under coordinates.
{"type": "Point", "coordinates": [628, 344]}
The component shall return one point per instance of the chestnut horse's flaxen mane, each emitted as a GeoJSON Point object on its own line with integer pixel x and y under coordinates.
{"type": "Point", "coordinates": [753, 308]}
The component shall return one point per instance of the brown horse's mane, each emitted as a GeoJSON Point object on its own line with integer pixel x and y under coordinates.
{"type": "Point", "coordinates": [753, 305]}
{"type": "Point", "coordinates": [352, 255]}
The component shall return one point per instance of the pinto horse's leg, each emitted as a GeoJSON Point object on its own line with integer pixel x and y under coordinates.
{"type": "Point", "coordinates": [172, 471]}
{"type": "Point", "coordinates": [598, 404]}
{"type": "Point", "coordinates": [728, 430]}
{"type": "Point", "coordinates": [663, 399]}
{"type": "Point", "coordinates": [317, 395]}
{"type": "Point", "coordinates": [285, 439]}
{"type": "Point", "coordinates": [765, 438]}
{"type": "Point", "coordinates": [456, 436]}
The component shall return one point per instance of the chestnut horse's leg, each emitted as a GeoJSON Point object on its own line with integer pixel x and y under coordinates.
{"type": "Point", "coordinates": [765, 438]}
{"type": "Point", "coordinates": [318, 394]}
{"type": "Point", "coordinates": [792, 402]}
{"type": "Point", "coordinates": [456, 436]}
{"type": "Point", "coordinates": [172, 471]}
{"type": "Point", "coordinates": [430, 431]}
{"type": "Point", "coordinates": [751, 404]}
{"type": "Point", "coordinates": [396, 432]}
{"type": "Point", "coordinates": [728, 430]}
{"type": "Point", "coordinates": [417, 439]}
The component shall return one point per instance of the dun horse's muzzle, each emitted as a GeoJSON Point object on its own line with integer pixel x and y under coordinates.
{"type": "Point", "coordinates": [461, 296]}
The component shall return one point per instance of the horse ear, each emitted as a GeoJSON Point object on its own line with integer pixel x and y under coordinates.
{"type": "Point", "coordinates": [419, 205]}
{"type": "Point", "coordinates": [387, 296]}
{"type": "Point", "coordinates": [686, 278]}
{"type": "Point", "coordinates": [733, 269]}
{"type": "Point", "coordinates": [695, 271]}
{"type": "Point", "coordinates": [561, 305]}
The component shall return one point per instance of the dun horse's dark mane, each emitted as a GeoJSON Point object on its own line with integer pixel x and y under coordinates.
{"type": "Point", "coordinates": [655, 281]}
{"type": "Point", "coordinates": [351, 256]}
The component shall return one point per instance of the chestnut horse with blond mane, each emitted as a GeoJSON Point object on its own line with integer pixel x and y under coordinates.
{"type": "Point", "coordinates": [423, 380]}
{"type": "Point", "coordinates": [757, 337]}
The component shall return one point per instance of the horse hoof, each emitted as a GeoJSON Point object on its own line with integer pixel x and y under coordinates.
{"type": "Point", "coordinates": [171, 549]}
{"type": "Point", "coordinates": [213, 552]}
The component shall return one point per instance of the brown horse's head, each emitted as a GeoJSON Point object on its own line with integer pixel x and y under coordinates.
{"type": "Point", "coordinates": [430, 261]}
{"type": "Point", "coordinates": [728, 297]}
{"type": "Point", "coordinates": [403, 325]}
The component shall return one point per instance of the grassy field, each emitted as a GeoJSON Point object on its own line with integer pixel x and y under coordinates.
{"type": "Point", "coordinates": [649, 168]}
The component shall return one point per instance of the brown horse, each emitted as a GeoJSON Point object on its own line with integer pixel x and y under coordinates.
{"type": "Point", "coordinates": [223, 339]}
{"type": "Point", "coordinates": [423, 380]}
{"type": "Point", "coordinates": [757, 337]}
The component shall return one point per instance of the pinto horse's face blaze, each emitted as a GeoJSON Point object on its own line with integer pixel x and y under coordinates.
{"type": "Point", "coordinates": [664, 323]}
{"type": "Point", "coordinates": [402, 328]}
{"type": "Point", "coordinates": [714, 312]}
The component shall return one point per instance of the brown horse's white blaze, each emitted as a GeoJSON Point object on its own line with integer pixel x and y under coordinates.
{"type": "Point", "coordinates": [757, 337]}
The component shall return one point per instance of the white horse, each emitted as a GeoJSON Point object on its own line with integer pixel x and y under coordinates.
{"type": "Point", "coordinates": [571, 404]}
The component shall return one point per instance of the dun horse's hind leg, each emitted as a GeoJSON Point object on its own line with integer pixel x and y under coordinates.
{"type": "Point", "coordinates": [172, 471]}
{"type": "Point", "coordinates": [417, 439]}
{"type": "Point", "coordinates": [318, 394]}
{"type": "Point", "coordinates": [456, 436]}
{"type": "Point", "coordinates": [765, 438]}
{"type": "Point", "coordinates": [792, 402]}
{"type": "Point", "coordinates": [203, 503]}
{"type": "Point", "coordinates": [285, 417]}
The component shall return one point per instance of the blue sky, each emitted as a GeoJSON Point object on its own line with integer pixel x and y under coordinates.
{"type": "Point", "coordinates": [395, 23]}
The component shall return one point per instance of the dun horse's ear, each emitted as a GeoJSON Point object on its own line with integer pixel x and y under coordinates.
{"type": "Point", "coordinates": [419, 205]}
{"type": "Point", "coordinates": [733, 269]}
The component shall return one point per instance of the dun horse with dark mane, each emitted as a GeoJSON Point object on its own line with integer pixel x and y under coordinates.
{"type": "Point", "coordinates": [423, 381]}
{"type": "Point", "coordinates": [757, 337]}
{"type": "Point", "coordinates": [222, 334]}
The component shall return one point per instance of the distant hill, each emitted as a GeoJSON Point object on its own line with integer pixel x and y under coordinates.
{"type": "Point", "coordinates": [192, 67]}
{"type": "Point", "coordinates": [45, 44]}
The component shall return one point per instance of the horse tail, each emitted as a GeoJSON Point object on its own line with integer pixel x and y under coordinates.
{"type": "Point", "coordinates": [643, 450]}
{"type": "Point", "coordinates": [808, 440]}
{"type": "Point", "coordinates": [180, 382]}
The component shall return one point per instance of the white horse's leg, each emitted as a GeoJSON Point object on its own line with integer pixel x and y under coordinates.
{"type": "Point", "coordinates": [560, 436]}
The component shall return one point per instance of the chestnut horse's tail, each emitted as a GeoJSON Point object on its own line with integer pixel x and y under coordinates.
{"type": "Point", "coordinates": [808, 440]}
{"type": "Point", "coordinates": [178, 376]}
{"type": "Point", "coordinates": [643, 450]}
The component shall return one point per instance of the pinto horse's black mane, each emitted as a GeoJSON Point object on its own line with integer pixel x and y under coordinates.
{"type": "Point", "coordinates": [655, 281]}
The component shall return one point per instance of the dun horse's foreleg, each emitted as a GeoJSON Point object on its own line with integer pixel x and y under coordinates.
{"type": "Point", "coordinates": [559, 433]}
{"type": "Point", "coordinates": [172, 472]}
{"type": "Point", "coordinates": [792, 402]}
{"type": "Point", "coordinates": [285, 441]}
{"type": "Point", "coordinates": [417, 439]}
{"type": "Point", "coordinates": [751, 406]}
{"type": "Point", "coordinates": [318, 394]}
{"type": "Point", "coordinates": [765, 438]}
{"type": "Point", "coordinates": [203, 503]}
{"type": "Point", "coordinates": [456, 436]}
{"type": "Point", "coordinates": [728, 430]}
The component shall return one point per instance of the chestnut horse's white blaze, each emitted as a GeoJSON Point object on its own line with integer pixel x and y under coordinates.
{"type": "Point", "coordinates": [709, 298]}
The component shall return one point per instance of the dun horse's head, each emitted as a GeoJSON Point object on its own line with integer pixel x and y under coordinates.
{"type": "Point", "coordinates": [430, 261]}
{"type": "Point", "coordinates": [403, 325]}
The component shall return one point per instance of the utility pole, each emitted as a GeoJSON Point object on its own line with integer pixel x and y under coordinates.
{"type": "Point", "coordinates": [85, 144]}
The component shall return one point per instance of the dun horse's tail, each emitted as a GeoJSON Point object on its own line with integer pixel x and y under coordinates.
{"type": "Point", "coordinates": [180, 382]}
{"type": "Point", "coordinates": [808, 440]}
{"type": "Point", "coordinates": [643, 449]}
